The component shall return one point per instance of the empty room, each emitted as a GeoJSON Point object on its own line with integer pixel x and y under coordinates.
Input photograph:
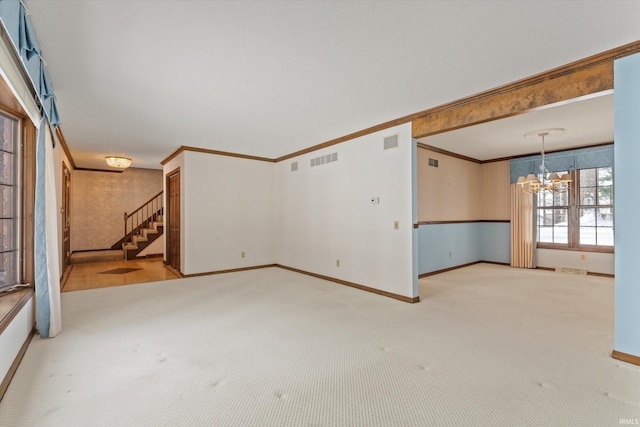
{"type": "Point", "coordinates": [319, 213]}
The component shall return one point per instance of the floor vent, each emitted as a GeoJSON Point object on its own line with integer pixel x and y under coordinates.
{"type": "Point", "coordinates": [571, 270]}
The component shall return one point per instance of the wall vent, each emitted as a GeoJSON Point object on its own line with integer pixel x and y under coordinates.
{"type": "Point", "coordinates": [294, 166]}
{"type": "Point", "coordinates": [327, 158]}
{"type": "Point", "coordinates": [571, 270]}
{"type": "Point", "coordinates": [390, 142]}
{"type": "Point", "coordinates": [433, 162]}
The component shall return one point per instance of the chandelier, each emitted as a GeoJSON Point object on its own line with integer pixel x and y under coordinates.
{"type": "Point", "coordinates": [118, 162]}
{"type": "Point", "coordinates": [552, 182]}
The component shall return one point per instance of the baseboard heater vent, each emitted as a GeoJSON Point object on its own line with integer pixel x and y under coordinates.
{"type": "Point", "coordinates": [571, 270]}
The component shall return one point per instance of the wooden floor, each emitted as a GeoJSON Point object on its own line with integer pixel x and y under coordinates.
{"type": "Point", "coordinates": [115, 273]}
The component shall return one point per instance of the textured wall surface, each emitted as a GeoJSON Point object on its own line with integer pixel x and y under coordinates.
{"type": "Point", "coordinates": [99, 200]}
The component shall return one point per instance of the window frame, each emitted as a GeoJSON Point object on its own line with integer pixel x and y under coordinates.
{"type": "Point", "coordinates": [573, 243]}
{"type": "Point", "coordinates": [17, 209]}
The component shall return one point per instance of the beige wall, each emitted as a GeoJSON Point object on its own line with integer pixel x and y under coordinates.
{"type": "Point", "coordinates": [460, 190]}
{"type": "Point", "coordinates": [99, 200]}
{"type": "Point", "coordinates": [495, 190]}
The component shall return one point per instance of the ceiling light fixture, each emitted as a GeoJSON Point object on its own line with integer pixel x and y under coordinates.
{"type": "Point", "coordinates": [552, 182]}
{"type": "Point", "coordinates": [118, 162]}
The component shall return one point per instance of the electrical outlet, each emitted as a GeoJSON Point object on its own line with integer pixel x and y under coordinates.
{"type": "Point", "coordinates": [337, 263]}
{"type": "Point", "coordinates": [396, 225]}
{"type": "Point", "coordinates": [450, 254]}
{"type": "Point", "coordinates": [243, 254]}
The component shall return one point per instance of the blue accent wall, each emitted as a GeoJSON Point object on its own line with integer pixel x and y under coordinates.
{"type": "Point", "coordinates": [627, 204]}
{"type": "Point", "coordinates": [443, 246]}
{"type": "Point", "coordinates": [495, 241]}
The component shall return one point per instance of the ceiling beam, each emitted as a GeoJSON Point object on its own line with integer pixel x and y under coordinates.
{"type": "Point", "coordinates": [582, 78]}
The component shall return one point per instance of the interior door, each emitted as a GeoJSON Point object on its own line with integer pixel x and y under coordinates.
{"type": "Point", "coordinates": [173, 219]}
{"type": "Point", "coordinates": [66, 217]}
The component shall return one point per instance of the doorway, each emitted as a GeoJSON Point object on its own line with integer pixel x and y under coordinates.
{"type": "Point", "coordinates": [173, 219]}
{"type": "Point", "coordinates": [66, 217]}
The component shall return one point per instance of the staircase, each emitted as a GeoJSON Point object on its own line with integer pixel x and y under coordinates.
{"type": "Point", "coordinates": [142, 227]}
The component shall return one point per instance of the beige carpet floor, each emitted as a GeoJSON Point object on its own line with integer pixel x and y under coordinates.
{"type": "Point", "coordinates": [487, 346]}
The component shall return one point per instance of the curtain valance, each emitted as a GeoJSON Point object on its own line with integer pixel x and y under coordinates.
{"type": "Point", "coordinates": [17, 24]}
{"type": "Point", "coordinates": [581, 158]}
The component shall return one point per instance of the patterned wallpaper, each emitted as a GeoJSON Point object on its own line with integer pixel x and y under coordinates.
{"type": "Point", "coordinates": [99, 200]}
{"type": "Point", "coordinates": [460, 190]}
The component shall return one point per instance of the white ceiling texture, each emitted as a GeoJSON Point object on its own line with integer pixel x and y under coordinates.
{"type": "Point", "coordinates": [140, 78]}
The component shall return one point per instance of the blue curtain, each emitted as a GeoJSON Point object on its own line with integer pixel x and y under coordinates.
{"type": "Point", "coordinates": [41, 274]}
{"type": "Point", "coordinates": [18, 26]}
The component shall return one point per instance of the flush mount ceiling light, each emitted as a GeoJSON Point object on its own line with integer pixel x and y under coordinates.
{"type": "Point", "coordinates": [552, 182]}
{"type": "Point", "coordinates": [118, 162]}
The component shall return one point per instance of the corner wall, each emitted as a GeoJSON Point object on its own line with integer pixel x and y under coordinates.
{"type": "Point", "coordinates": [627, 204]}
{"type": "Point", "coordinates": [464, 212]}
{"type": "Point", "coordinates": [325, 213]}
{"type": "Point", "coordinates": [228, 209]}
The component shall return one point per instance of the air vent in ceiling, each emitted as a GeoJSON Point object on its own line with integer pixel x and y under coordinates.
{"type": "Point", "coordinates": [391, 142]}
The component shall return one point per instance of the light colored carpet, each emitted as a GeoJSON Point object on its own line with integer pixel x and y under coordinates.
{"type": "Point", "coordinates": [488, 346]}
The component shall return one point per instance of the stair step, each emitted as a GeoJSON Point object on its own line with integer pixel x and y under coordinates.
{"type": "Point", "coordinates": [81, 257]}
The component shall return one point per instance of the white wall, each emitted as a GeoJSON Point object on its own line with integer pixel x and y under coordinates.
{"type": "Point", "coordinates": [229, 208]}
{"type": "Point", "coordinates": [593, 262]}
{"type": "Point", "coordinates": [14, 336]}
{"type": "Point", "coordinates": [325, 213]}
{"type": "Point", "coordinates": [156, 247]}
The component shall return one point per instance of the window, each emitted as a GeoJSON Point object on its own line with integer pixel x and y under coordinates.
{"type": "Point", "coordinates": [10, 189]}
{"type": "Point", "coordinates": [582, 217]}
{"type": "Point", "coordinates": [596, 207]}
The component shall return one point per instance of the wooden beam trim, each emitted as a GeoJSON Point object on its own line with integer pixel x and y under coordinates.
{"type": "Point", "coordinates": [629, 358]}
{"type": "Point", "coordinates": [502, 159]}
{"type": "Point", "coordinates": [444, 270]}
{"type": "Point", "coordinates": [519, 100]}
{"type": "Point", "coordinates": [215, 152]}
{"type": "Point", "coordinates": [65, 147]}
{"type": "Point", "coordinates": [354, 285]}
{"type": "Point", "coordinates": [574, 80]}
{"type": "Point", "coordinates": [232, 270]}
{"type": "Point", "coordinates": [465, 221]}
{"type": "Point", "coordinates": [98, 170]}
{"type": "Point", "coordinates": [448, 153]}
{"type": "Point", "coordinates": [173, 270]}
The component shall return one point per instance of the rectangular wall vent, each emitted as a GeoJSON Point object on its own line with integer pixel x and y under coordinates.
{"type": "Point", "coordinates": [294, 166]}
{"type": "Point", "coordinates": [433, 162]}
{"type": "Point", "coordinates": [327, 158]}
{"type": "Point", "coordinates": [390, 142]}
{"type": "Point", "coordinates": [571, 270]}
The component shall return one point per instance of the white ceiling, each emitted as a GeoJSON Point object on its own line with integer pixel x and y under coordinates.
{"type": "Point", "coordinates": [266, 78]}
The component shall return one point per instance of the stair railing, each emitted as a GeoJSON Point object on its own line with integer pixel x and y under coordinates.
{"type": "Point", "coordinates": [142, 217]}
